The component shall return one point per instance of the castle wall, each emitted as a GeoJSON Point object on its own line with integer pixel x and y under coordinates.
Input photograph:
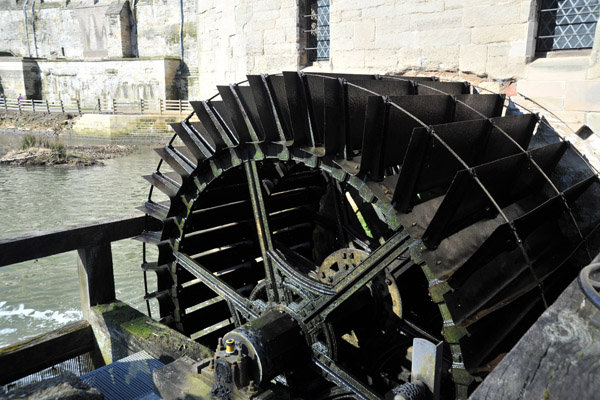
{"type": "Point", "coordinates": [72, 31]}
{"type": "Point", "coordinates": [130, 79]}
{"type": "Point", "coordinates": [494, 40]}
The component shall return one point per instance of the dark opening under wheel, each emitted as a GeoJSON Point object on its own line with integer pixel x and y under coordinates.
{"type": "Point", "coordinates": [368, 210]}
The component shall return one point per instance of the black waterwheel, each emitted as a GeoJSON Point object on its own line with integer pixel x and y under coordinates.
{"type": "Point", "coordinates": [372, 209]}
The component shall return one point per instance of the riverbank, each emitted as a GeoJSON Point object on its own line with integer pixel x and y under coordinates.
{"type": "Point", "coordinates": [44, 124]}
{"type": "Point", "coordinates": [78, 156]}
{"type": "Point", "coordinates": [40, 150]}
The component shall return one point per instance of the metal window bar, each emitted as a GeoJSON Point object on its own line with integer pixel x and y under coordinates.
{"type": "Point", "coordinates": [318, 32]}
{"type": "Point", "coordinates": [567, 24]}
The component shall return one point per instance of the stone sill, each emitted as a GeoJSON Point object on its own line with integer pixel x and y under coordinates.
{"type": "Point", "coordinates": [571, 63]}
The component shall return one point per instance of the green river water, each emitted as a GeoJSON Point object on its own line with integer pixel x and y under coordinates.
{"type": "Point", "coordinates": [40, 295]}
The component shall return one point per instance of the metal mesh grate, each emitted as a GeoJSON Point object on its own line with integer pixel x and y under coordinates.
{"type": "Point", "coordinates": [128, 378]}
{"type": "Point", "coordinates": [79, 365]}
{"type": "Point", "coordinates": [318, 34]}
{"type": "Point", "coordinates": [567, 24]}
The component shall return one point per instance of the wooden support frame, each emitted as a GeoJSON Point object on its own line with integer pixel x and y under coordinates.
{"type": "Point", "coordinates": [43, 351]}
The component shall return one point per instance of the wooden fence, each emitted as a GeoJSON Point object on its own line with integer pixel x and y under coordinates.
{"type": "Point", "coordinates": [95, 269]}
{"type": "Point", "coordinates": [99, 106]}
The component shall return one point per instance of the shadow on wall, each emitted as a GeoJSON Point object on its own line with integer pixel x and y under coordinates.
{"type": "Point", "coordinates": [181, 82]}
{"type": "Point", "coordinates": [32, 80]}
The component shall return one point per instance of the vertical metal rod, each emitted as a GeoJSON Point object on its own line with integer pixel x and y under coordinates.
{"type": "Point", "coordinates": [26, 28]}
{"type": "Point", "coordinates": [181, 30]}
{"type": "Point", "coordinates": [33, 28]}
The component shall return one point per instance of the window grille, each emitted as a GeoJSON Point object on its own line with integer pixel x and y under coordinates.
{"type": "Point", "coordinates": [567, 24]}
{"type": "Point", "coordinates": [318, 30]}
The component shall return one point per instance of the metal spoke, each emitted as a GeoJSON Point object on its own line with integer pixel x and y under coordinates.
{"type": "Point", "coordinates": [264, 234]}
{"type": "Point", "coordinates": [339, 376]}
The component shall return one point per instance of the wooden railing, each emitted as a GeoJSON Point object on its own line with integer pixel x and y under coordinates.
{"type": "Point", "coordinates": [98, 106]}
{"type": "Point", "coordinates": [96, 281]}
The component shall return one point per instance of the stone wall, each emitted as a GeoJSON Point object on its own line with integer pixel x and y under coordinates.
{"type": "Point", "coordinates": [125, 125]}
{"type": "Point", "coordinates": [124, 79]}
{"type": "Point", "coordinates": [158, 25]}
{"type": "Point", "coordinates": [131, 79]}
{"type": "Point", "coordinates": [241, 36]}
{"type": "Point", "coordinates": [12, 81]}
{"type": "Point", "coordinates": [490, 39]}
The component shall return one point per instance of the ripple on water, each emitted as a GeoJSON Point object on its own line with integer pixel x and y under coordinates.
{"type": "Point", "coordinates": [41, 295]}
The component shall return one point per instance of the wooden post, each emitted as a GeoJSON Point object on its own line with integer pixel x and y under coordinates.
{"type": "Point", "coordinates": [114, 106]}
{"type": "Point", "coordinates": [47, 106]}
{"type": "Point", "coordinates": [160, 106]}
{"type": "Point", "coordinates": [99, 106]}
{"type": "Point", "coordinates": [96, 280]}
{"type": "Point", "coordinates": [78, 107]}
{"type": "Point", "coordinates": [141, 106]}
{"type": "Point", "coordinates": [62, 106]}
{"type": "Point", "coordinates": [180, 111]}
{"type": "Point", "coordinates": [5, 104]}
{"type": "Point", "coordinates": [32, 105]}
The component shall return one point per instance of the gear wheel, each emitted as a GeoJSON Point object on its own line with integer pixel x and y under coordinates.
{"type": "Point", "coordinates": [465, 224]}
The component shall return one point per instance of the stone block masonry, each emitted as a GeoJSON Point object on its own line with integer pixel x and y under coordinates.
{"type": "Point", "coordinates": [131, 79]}
{"type": "Point", "coordinates": [125, 125]}
{"type": "Point", "coordinates": [105, 29]}
{"type": "Point", "coordinates": [491, 39]}
{"type": "Point", "coordinates": [87, 81]}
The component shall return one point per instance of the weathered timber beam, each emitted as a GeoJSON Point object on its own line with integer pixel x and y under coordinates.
{"type": "Point", "coordinates": [96, 278]}
{"type": "Point", "coordinates": [46, 243]}
{"type": "Point", "coordinates": [43, 351]}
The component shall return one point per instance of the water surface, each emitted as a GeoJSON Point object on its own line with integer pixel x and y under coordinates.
{"type": "Point", "coordinates": [40, 295]}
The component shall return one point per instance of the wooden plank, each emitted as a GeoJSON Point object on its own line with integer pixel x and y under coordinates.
{"type": "Point", "coordinates": [46, 243]}
{"type": "Point", "coordinates": [43, 351]}
{"type": "Point", "coordinates": [558, 358]}
{"type": "Point", "coordinates": [96, 278]}
{"type": "Point", "coordinates": [122, 330]}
